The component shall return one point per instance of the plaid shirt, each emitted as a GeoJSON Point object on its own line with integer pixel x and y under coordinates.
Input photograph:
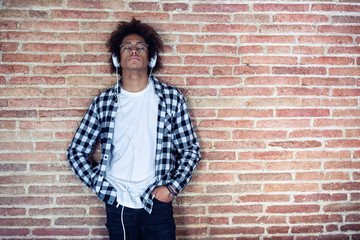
{"type": "Point", "coordinates": [177, 148]}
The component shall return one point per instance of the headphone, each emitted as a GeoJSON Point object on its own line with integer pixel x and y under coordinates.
{"type": "Point", "coordinates": [152, 61]}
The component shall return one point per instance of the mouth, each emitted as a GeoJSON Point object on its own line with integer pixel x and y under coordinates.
{"type": "Point", "coordinates": [134, 59]}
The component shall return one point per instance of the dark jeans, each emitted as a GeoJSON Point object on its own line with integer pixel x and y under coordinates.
{"type": "Point", "coordinates": [139, 224]}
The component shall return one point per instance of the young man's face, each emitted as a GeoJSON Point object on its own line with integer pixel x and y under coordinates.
{"type": "Point", "coordinates": [134, 53]}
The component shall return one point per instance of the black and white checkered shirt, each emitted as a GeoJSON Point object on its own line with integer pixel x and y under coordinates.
{"type": "Point", "coordinates": [177, 148]}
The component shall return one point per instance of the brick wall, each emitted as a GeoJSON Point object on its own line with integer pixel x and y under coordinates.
{"type": "Point", "coordinates": [273, 88]}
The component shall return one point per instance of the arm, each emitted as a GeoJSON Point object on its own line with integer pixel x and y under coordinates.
{"type": "Point", "coordinates": [82, 145]}
{"type": "Point", "coordinates": [187, 147]}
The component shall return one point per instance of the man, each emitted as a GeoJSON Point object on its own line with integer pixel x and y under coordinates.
{"type": "Point", "coordinates": [148, 145]}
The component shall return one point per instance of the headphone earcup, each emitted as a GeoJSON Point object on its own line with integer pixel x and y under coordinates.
{"type": "Point", "coordinates": [152, 62]}
{"type": "Point", "coordinates": [115, 61]}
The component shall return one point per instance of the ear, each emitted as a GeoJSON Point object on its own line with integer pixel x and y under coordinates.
{"type": "Point", "coordinates": [115, 60]}
{"type": "Point", "coordinates": [152, 62]}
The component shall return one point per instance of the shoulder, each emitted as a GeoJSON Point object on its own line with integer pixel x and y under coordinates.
{"type": "Point", "coordinates": [167, 90]}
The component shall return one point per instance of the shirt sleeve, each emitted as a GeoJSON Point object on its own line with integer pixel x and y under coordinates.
{"type": "Point", "coordinates": [187, 147]}
{"type": "Point", "coordinates": [82, 145]}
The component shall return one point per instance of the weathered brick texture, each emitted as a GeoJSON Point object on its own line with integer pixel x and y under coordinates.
{"type": "Point", "coordinates": [273, 88]}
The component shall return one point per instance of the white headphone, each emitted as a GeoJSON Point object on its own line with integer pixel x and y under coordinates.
{"type": "Point", "coordinates": [152, 62]}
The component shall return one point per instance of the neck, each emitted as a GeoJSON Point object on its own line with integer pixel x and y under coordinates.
{"type": "Point", "coordinates": [134, 81]}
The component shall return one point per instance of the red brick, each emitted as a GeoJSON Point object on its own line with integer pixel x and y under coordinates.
{"type": "Point", "coordinates": [320, 197]}
{"type": "Point", "coordinates": [216, 39]}
{"type": "Point", "coordinates": [39, 102]}
{"type": "Point", "coordinates": [322, 176]}
{"type": "Point", "coordinates": [335, 7]}
{"type": "Point", "coordinates": [175, 7]}
{"type": "Point", "coordinates": [269, 60]}
{"type": "Point", "coordinates": [324, 155]}
{"type": "Point", "coordinates": [213, 177]}
{"type": "Point", "coordinates": [27, 36]}
{"type": "Point", "coordinates": [306, 229]}
{"type": "Point", "coordinates": [264, 198]}
{"type": "Point", "coordinates": [295, 18]}
{"type": "Point", "coordinates": [298, 165]}
{"type": "Point", "coordinates": [333, 81]}
{"type": "Point", "coordinates": [33, 3]}
{"type": "Point", "coordinates": [279, 50]}
{"type": "Point", "coordinates": [60, 232]}
{"type": "Point", "coordinates": [303, 113]}
{"type": "Point", "coordinates": [235, 230]}
{"type": "Point", "coordinates": [345, 19]}
{"type": "Point", "coordinates": [211, 60]}
{"type": "Point", "coordinates": [350, 227]}
{"type": "Point", "coordinates": [190, 48]}
{"type": "Point", "coordinates": [289, 187]}
{"type": "Point", "coordinates": [293, 123]}
{"type": "Point", "coordinates": [306, 50]}
{"type": "Point", "coordinates": [301, 91]}
{"type": "Point", "coordinates": [11, 69]}
{"type": "Point", "coordinates": [149, 6]}
{"type": "Point", "coordinates": [299, 70]}
{"type": "Point", "coordinates": [37, 80]}
{"type": "Point", "coordinates": [339, 29]}
{"type": "Point", "coordinates": [315, 219]}
{"type": "Point", "coordinates": [14, 232]}
{"type": "Point", "coordinates": [348, 186]}
{"type": "Point", "coordinates": [258, 219]}
{"type": "Point", "coordinates": [62, 70]}
{"type": "Point", "coordinates": [206, 18]}
{"type": "Point", "coordinates": [346, 92]}
{"type": "Point", "coordinates": [220, 8]}
{"type": "Point", "coordinates": [218, 123]}
{"type": "Point", "coordinates": [245, 113]}
{"type": "Point", "coordinates": [258, 134]}
{"type": "Point", "coordinates": [49, 26]}
{"type": "Point", "coordinates": [246, 91]}
{"type": "Point", "coordinates": [277, 229]}
{"type": "Point", "coordinates": [193, 70]}
{"type": "Point", "coordinates": [233, 188]}
{"type": "Point", "coordinates": [110, 4]}
{"type": "Point", "coordinates": [207, 134]}
{"type": "Point", "coordinates": [267, 39]}
{"type": "Point", "coordinates": [353, 218]}
{"type": "Point", "coordinates": [12, 167]}
{"type": "Point", "coordinates": [221, 49]}
{"type": "Point", "coordinates": [250, 70]}
{"type": "Point", "coordinates": [12, 211]}
{"type": "Point", "coordinates": [250, 49]}
{"type": "Point", "coordinates": [268, 7]}
{"type": "Point", "coordinates": [18, 113]}
{"type": "Point", "coordinates": [231, 166]}
{"type": "Point", "coordinates": [293, 209]}
{"type": "Point", "coordinates": [203, 199]}
{"type": "Point", "coordinates": [296, 144]}
{"type": "Point", "coordinates": [235, 209]}
{"type": "Point", "coordinates": [342, 207]}
{"type": "Point", "coordinates": [222, 71]}
{"type": "Point", "coordinates": [233, 28]}
{"type": "Point", "coordinates": [344, 143]}
{"type": "Point", "coordinates": [8, 46]}
{"type": "Point", "coordinates": [273, 102]}
{"type": "Point", "coordinates": [326, 39]}
{"type": "Point", "coordinates": [218, 155]}
{"type": "Point", "coordinates": [279, 28]}
{"type": "Point", "coordinates": [342, 122]}
{"type": "Point", "coordinates": [199, 81]}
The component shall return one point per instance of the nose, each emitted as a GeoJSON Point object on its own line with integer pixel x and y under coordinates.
{"type": "Point", "coordinates": [134, 51]}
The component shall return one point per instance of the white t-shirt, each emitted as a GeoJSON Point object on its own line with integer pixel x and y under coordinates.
{"type": "Point", "coordinates": [132, 167]}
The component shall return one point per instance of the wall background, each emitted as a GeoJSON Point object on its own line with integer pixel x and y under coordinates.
{"type": "Point", "coordinates": [273, 88]}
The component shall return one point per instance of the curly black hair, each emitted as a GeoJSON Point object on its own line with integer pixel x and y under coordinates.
{"type": "Point", "coordinates": [151, 37]}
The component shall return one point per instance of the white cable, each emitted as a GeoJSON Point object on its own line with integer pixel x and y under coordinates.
{"type": "Point", "coordinates": [122, 221]}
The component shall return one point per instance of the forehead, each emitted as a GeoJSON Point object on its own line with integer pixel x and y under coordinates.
{"type": "Point", "coordinates": [133, 38]}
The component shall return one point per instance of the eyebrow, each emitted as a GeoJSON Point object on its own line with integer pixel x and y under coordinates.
{"type": "Point", "coordinates": [131, 43]}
